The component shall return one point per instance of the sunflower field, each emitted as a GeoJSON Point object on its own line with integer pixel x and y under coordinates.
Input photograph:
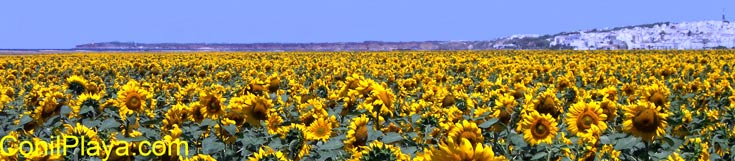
{"type": "Point", "coordinates": [400, 105]}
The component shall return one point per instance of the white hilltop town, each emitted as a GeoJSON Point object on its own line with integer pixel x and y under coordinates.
{"type": "Point", "coordinates": [683, 35]}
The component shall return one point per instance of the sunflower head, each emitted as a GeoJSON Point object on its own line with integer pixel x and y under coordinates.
{"type": "Point", "coordinates": [321, 129]}
{"type": "Point", "coordinates": [357, 135]}
{"type": "Point", "coordinates": [466, 130]}
{"type": "Point", "coordinates": [76, 84]}
{"type": "Point", "coordinates": [132, 98]}
{"type": "Point", "coordinates": [610, 108]}
{"type": "Point", "coordinates": [379, 151]}
{"type": "Point", "coordinates": [538, 128]}
{"type": "Point", "coordinates": [657, 93]}
{"type": "Point", "coordinates": [644, 120]}
{"type": "Point", "coordinates": [212, 102]}
{"type": "Point", "coordinates": [267, 154]}
{"type": "Point", "coordinates": [548, 103]}
{"type": "Point", "coordinates": [296, 136]}
{"type": "Point", "coordinates": [462, 150]}
{"type": "Point", "coordinates": [256, 109]}
{"type": "Point", "coordinates": [582, 116]}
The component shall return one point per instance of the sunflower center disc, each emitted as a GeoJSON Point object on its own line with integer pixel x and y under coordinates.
{"type": "Point", "coordinates": [646, 121]}
{"type": "Point", "coordinates": [658, 99]}
{"type": "Point", "coordinates": [540, 130]}
{"type": "Point", "coordinates": [134, 103]}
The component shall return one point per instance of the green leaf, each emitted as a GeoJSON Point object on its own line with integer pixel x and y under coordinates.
{"type": "Point", "coordinates": [65, 110]}
{"type": "Point", "coordinates": [109, 123]}
{"type": "Point", "coordinates": [538, 156]}
{"type": "Point", "coordinates": [332, 144]}
{"type": "Point", "coordinates": [25, 119]}
{"type": "Point", "coordinates": [392, 137]}
{"type": "Point", "coordinates": [374, 134]}
{"type": "Point", "coordinates": [626, 143]}
{"type": "Point", "coordinates": [488, 123]}
{"type": "Point", "coordinates": [85, 109]}
{"type": "Point", "coordinates": [207, 123]}
{"type": "Point", "coordinates": [131, 139]}
{"type": "Point", "coordinates": [90, 123]}
{"type": "Point", "coordinates": [687, 96]}
{"type": "Point", "coordinates": [211, 145]}
{"type": "Point", "coordinates": [231, 129]}
{"type": "Point", "coordinates": [415, 117]}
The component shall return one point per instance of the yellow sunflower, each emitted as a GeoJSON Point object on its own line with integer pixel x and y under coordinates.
{"type": "Point", "coordinates": [538, 128]}
{"type": "Point", "coordinates": [610, 108]}
{"type": "Point", "coordinates": [657, 93]}
{"type": "Point", "coordinates": [462, 151]}
{"type": "Point", "coordinates": [213, 103]}
{"type": "Point", "coordinates": [383, 99]}
{"type": "Point", "coordinates": [546, 103]}
{"type": "Point", "coordinates": [379, 151]}
{"type": "Point", "coordinates": [85, 99]}
{"type": "Point", "coordinates": [76, 84]}
{"type": "Point", "coordinates": [4, 98]}
{"type": "Point", "coordinates": [358, 134]}
{"type": "Point", "coordinates": [80, 130]}
{"type": "Point", "coordinates": [321, 129]}
{"type": "Point", "coordinates": [466, 130]}
{"type": "Point", "coordinates": [581, 116]}
{"type": "Point", "coordinates": [675, 157]}
{"type": "Point", "coordinates": [42, 149]}
{"type": "Point", "coordinates": [256, 109]}
{"type": "Point", "coordinates": [132, 98]}
{"type": "Point", "coordinates": [504, 106]}
{"type": "Point", "coordinates": [267, 154]}
{"type": "Point", "coordinates": [175, 116]}
{"type": "Point", "coordinates": [644, 120]}
{"type": "Point", "coordinates": [49, 105]}
{"type": "Point", "coordinates": [296, 133]}
{"type": "Point", "coordinates": [186, 94]}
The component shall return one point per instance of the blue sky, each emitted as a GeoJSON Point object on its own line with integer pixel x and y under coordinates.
{"type": "Point", "coordinates": [64, 23]}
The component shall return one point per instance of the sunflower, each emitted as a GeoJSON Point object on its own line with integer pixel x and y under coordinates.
{"type": "Point", "coordinates": [379, 151]}
{"type": "Point", "coordinates": [274, 121]}
{"type": "Point", "coordinates": [132, 98]}
{"type": "Point", "coordinates": [547, 103]}
{"type": "Point", "coordinates": [81, 130]}
{"type": "Point", "coordinates": [213, 102]}
{"type": "Point", "coordinates": [382, 99]}
{"type": "Point", "coordinates": [358, 134]}
{"type": "Point", "coordinates": [296, 133]}
{"type": "Point", "coordinates": [86, 100]}
{"type": "Point", "coordinates": [657, 93]}
{"type": "Point", "coordinates": [256, 109]}
{"type": "Point", "coordinates": [610, 108]}
{"type": "Point", "coordinates": [41, 151]}
{"type": "Point", "coordinates": [582, 116]}
{"type": "Point", "coordinates": [76, 84]}
{"type": "Point", "coordinates": [175, 115]}
{"type": "Point", "coordinates": [466, 130]}
{"type": "Point", "coordinates": [462, 151]}
{"type": "Point", "coordinates": [49, 105]}
{"type": "Point", "coordinates": [675, 157]}
{"type": "Point", "coordinates": [504, 106]}
{"type": "Point", "coordinates": [311, 110]}
{"type": "Point", "coordinates": [321, 129]}
{"type": "Point", "coordinates": [267, 154]}
{"type": "Point", "coordinates": [4, 99]}
{"type": "Point", "coordinates": [629, 89]}
{"type": "Point", "coordinates": [538, 128]}
{"type": "Point", "coordinates": [186, 94]}
{"type": "Point", "coordinates": [644, 120]}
